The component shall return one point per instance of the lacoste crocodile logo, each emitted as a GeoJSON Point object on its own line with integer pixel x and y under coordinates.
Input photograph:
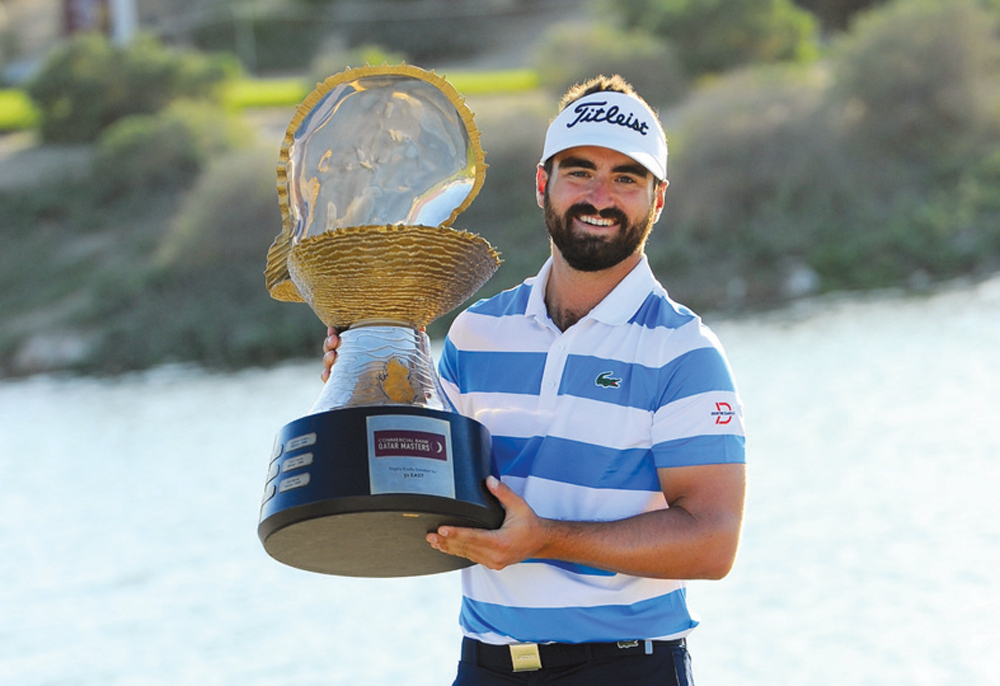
{"type": "Point", "coordinates": [605, 380]}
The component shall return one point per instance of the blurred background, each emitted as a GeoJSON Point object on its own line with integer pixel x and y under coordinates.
{"type": "Point", "coordinates": [833, 212]}
{"type": "Point", "coordinates": [818, 146]}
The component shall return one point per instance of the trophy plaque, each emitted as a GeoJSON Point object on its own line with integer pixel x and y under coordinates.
{"type": "Point", "coordinates": [376, 164]}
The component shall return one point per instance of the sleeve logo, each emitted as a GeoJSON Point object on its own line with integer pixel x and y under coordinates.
{"type": "Point", "coordinates": [723, 413]}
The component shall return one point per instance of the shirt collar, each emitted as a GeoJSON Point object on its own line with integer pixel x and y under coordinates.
{"type": "Point", "coordinates": [618, 307]}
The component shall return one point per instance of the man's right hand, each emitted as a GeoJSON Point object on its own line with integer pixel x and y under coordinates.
{"type": "Point", "coordinates": [330, 346]}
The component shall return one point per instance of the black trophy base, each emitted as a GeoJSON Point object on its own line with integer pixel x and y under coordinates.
{"type": "Point", "coordinates": [355, 491]}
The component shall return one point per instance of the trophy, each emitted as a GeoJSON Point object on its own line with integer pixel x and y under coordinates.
{"type": "Point", "coordinates": [376, 164]}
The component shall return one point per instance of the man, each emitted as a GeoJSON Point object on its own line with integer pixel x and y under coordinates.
{"type": "Point", "coordinates": [617, 430]}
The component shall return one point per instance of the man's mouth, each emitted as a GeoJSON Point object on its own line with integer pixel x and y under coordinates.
{"type": "Point", "coordinates": [596, 221]}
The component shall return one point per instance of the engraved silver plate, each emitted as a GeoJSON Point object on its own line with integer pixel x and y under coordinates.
{"type": "Point", "coordinates": [410, 454]}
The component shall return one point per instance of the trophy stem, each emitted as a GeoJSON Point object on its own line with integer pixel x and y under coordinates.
{"type": "Point", "coordinates": [382, 362]}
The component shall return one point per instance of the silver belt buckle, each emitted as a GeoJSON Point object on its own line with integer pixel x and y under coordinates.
{"type": "Point", "coordinates": [525, 657]}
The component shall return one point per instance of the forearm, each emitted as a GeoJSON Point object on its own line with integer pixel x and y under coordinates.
{"type": "Point", "coordinates": [671, 544]}
{"type": "Point", "coordinates": [695, 538]}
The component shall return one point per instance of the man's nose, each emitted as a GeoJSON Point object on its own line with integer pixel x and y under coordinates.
{"type": "Point", "coordinates": [601, 193]}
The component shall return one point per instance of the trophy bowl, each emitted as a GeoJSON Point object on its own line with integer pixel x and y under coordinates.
{"type": "Point", "coordinates": [376, 164]}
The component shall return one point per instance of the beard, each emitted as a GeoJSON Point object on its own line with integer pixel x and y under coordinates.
{"type": "Point", "coordinates": [592, 253]}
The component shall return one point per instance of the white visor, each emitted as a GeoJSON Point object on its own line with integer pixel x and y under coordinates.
{"type": "Point", "coordinates": [611, 120]}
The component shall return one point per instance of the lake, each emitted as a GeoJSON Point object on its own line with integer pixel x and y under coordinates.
{"type": "Point", "coordinates": [870, 553]}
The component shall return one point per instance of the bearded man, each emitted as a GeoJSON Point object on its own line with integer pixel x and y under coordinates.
{"type": "Point", "coordinates": [617, 429]}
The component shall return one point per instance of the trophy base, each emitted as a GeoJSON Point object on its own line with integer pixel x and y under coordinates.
{"type": "Point", "coordinates": [354, 491]}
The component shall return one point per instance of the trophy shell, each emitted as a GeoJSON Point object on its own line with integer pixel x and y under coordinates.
{"type": "Point", "coordinates": [401, 262]}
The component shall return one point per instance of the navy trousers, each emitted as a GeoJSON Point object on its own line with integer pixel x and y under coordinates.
{"type": "Point", "coordinates": [670, 666]}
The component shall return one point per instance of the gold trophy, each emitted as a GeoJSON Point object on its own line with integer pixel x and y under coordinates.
{"type": "Point", "coordinates": [376, 164]}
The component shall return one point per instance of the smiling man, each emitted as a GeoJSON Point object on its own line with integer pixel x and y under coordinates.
{"type": "Point", "coordinates": [601, 395]}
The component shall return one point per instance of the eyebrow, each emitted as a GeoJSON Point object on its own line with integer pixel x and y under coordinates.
{"type": "Point", "coordinates": [635, 169]}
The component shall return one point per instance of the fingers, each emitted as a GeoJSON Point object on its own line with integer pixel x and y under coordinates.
{"type": "Point", "coordinates": [332, 340]}
{"type": "Point", "coordinates": [330, 345]}
{"type": "Point", "coordinates": [462, 542]}
{"type": "Point", "coordinates": [328, 361]}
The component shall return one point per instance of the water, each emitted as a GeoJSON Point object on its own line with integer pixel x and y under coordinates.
{"type": "Point", "coordinates": [128, 508]}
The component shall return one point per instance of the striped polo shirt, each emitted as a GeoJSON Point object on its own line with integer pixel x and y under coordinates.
{"type": "Point", "coordinates": [581, 420]}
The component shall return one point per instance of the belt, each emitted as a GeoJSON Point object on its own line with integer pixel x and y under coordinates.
{"type": "Point", "coordinates": [525, 657]}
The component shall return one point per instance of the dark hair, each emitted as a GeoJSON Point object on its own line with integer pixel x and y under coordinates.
{"type": "Point", "coordinates": [614, 83]}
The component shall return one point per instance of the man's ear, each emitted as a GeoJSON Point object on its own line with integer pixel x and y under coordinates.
{"type": "Point", "coordinates": [541, 180]}
{"type": "Point", "coordinates": [660, 199]}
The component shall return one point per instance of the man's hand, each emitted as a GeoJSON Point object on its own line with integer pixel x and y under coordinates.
{"type": "Point", "coordinates": [330, 346]}
{"type": "Point", "coordinates": [522, 535]}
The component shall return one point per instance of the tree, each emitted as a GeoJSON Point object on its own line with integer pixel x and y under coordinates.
{"type": "Point", "coordinates": [836, 15]}
{"type": "Point", "coordinates": [715, 35]}
{"type": "Point", "coordinates": [89, 84]}
{"type": "Point", "coordinates": [919, 76]}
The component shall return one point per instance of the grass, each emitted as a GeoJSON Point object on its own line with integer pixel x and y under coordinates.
{"type": "Point", "coordinates": [492, 82]}
{"type": "Point", "coordinates": [259, 93]}
{"type": "Point", "coordinates": [17, 112]}
{"type": "Point", "coordinates": [242, 94]}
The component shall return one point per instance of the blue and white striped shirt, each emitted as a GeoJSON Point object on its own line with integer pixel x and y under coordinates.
{"type": "Point", "coordinates": [581, 420]}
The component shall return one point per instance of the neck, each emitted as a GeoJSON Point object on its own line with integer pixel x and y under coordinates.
{"type": "Point", "coordinates": [571, 294]}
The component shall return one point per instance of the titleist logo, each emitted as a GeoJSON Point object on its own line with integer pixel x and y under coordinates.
{"type": "Point", "coordinates": [599, 112]}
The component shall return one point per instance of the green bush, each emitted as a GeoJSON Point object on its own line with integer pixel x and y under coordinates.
{"type": "Point", "coordinates": [836, 15]}
{"type": "Point", "coordinates": [754, 175]}
{"type": "Point", "coordinates": [264, 42]}
{"type": "Point", "coordinates": [230, 217]}
{"type": "Point", "coordinates": [427, 37]}
{"type": "Point", "coordinates": [572, 53]}
{"type": "Point", "coordinates": [505, 212]}
{"type": "Point", "coordinates": [89, 84]}
{"type": "Point", "coordinates": [715, 35]}
{"type": "Point", "coordinates": [918, 79]}
{"type": "Point", "coordinates": [201, 295]}
{"type": "Point", "coordinates": [163, 151]}
{"type": "Point", "coordinates": [877, 170]}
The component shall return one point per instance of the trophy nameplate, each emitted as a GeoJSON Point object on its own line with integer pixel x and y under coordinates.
{"type": "Point", "coordinates": [376, 164]}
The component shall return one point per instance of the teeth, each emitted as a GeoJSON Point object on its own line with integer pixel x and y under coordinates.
{"type": "Point", "coordinates": [597, 221]}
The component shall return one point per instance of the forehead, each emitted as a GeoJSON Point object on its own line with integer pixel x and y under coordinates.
{"type": "Point", "coordinates": [598, 157]}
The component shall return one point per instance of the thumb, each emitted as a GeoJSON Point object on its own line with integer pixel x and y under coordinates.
{"type": "Point", "coordinates": [502, 491]}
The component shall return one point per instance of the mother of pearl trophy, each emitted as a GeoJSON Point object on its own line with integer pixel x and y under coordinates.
{"type": "Point", "coordinates": [376, 164]}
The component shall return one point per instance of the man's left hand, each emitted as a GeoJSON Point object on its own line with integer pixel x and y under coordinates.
{"type": "Point", "coordinates": [521, 536]}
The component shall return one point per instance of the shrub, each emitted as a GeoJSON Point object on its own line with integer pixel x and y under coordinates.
{"type": "Point", "coordinates": [836, 15]}
{"type": "Point", "coordinates": [918, 79]}
{"type": "Point", "coordinates": [715, 35]}
{"type": "Point", "coordinates": [163, 151]}
{"type": "Point", "coordinates": [754, 177]}
{"type": "Point", "coordinates": [264, 40]}
{"type": "Point", "coordinates": [572, 53]}
{"type": "Point", "coordinates": [210, 275]}
{"type": "Point", "coordinates": [880, 168]}
{"type": "Point", "coordinates": [89, 84]}
{"type": "Point", "coordinates": [230, 217]}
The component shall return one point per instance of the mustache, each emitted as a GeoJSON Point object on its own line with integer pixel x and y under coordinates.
{"type": "Point", "coordinates": [612, 213]}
